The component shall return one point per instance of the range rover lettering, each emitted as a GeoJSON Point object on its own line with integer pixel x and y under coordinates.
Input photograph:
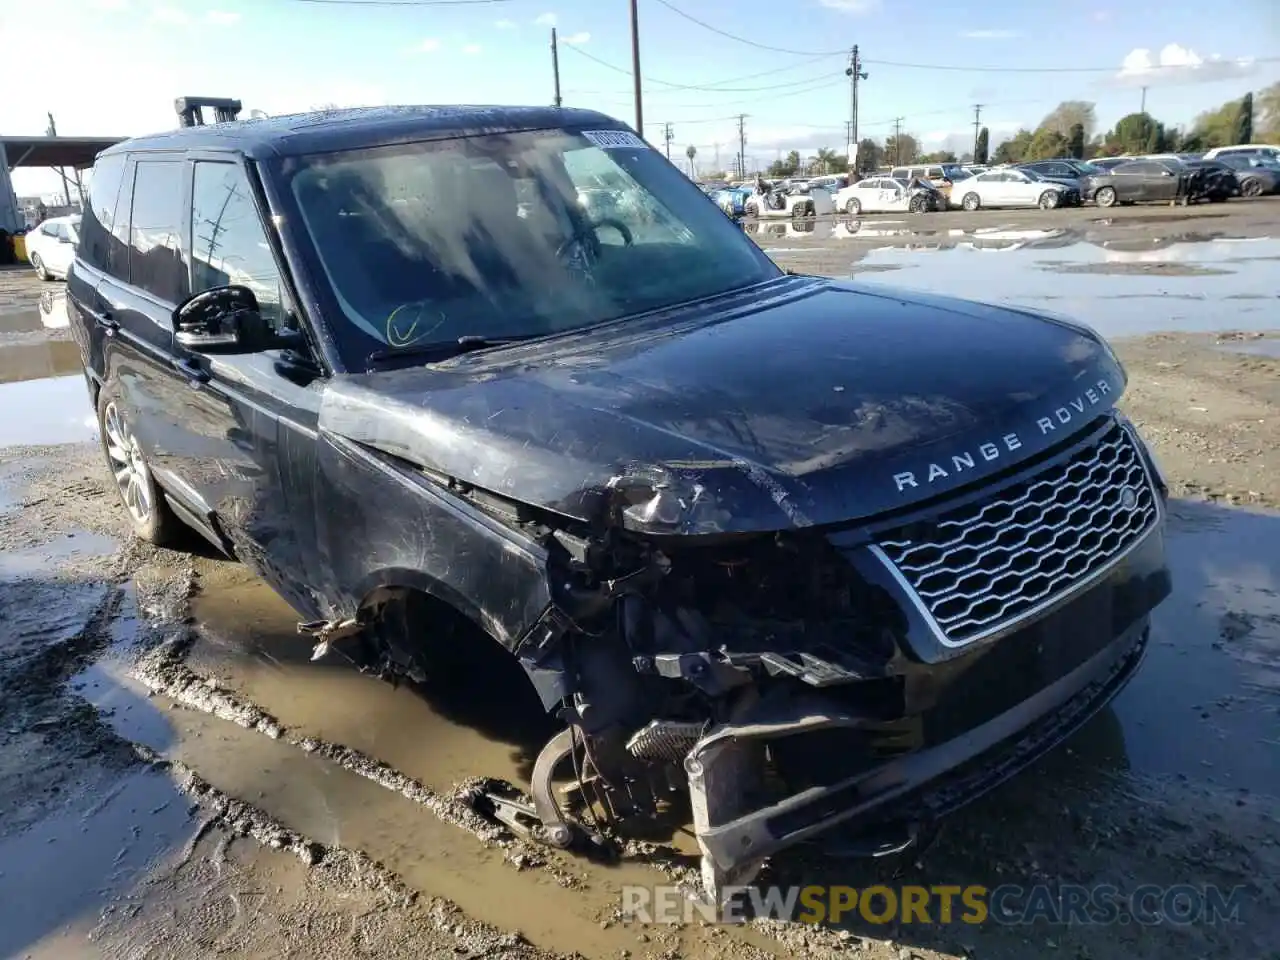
{"type": "Point", "coordinates": [820, 558]}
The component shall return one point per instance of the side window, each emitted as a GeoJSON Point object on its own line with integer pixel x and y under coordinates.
{"type": "Point", "coordinates": [228, 241]}
{"type": "Point", "coordinates": [49, 229]}
{"type": "Point", "coordinates": [98, 247]}
{"type": "Point", "coordinates": [155, 226]}
{"type": "Point", "coordinates": [935, 173]}
{"type": "Point", "coordinates": [60, 231]}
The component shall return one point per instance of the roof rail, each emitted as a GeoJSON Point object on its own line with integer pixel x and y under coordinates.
{"type": "Point", "coordinates": [190, 113]}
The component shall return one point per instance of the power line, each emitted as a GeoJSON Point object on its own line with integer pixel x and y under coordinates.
{"type": "Point", "coordinates": [751, 43]}
{"type": "Point", "coordinates": [705, 88]}
{"type": "Point", "coordinates": [962, 68]}
{"type": "Point", "coordinates": [404, 3]}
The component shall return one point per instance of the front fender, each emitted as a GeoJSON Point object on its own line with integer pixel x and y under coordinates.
{"type": "Point", "coordinates": [381, 523]}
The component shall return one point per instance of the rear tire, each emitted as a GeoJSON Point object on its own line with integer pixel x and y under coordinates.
{"type": "Point", "coordinates": [854, 207]}
{"type": "Point", "coordinates": [149, 513]}
{"type": "Point", "coordinates": [38, 266]}
{"type": "Point", "coordinates": [971, 202]}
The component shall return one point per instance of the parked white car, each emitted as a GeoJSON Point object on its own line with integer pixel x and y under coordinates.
{"type": "Point", "coordinates": [882, 195]}
{"type": "Point", "coordinates": [1268, 150]}
{"type": "Point", "coordinates": [1011, 188]}
{"type": "Point", "coordinates": [51, 246]}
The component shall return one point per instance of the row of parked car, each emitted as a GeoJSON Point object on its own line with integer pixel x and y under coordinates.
{"type": "Point", "coordinates": [1241, 171]}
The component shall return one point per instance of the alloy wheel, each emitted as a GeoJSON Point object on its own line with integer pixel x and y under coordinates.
{"type": "Point", "coordinates": [127, 465]}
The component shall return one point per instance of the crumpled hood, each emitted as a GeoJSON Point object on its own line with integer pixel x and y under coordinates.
{"type": "Point", "coordinates": [804, 401]}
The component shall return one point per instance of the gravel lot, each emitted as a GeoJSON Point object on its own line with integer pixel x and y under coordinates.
{"type": "Point", "coordinates": [178, 780]}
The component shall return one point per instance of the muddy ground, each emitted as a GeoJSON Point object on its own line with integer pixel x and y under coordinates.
{"type": "Point", "coordinates": [178, 779]}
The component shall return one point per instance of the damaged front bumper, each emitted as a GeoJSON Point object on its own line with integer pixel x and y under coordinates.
{"type": "Point", "coordinates": [908, 791]}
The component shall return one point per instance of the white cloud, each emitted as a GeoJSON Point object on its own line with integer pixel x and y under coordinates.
{"type": "Point", "coordinates": [545, 20]}
{"type": "Point", "coordinates": [429, 45]}
{"type": "Point", "coordinates": [505, 24]}
{"type": "Point", "coordinates": [471, 49]}
{"type": "Point", "coordinates": [1177, 64]}
{"type": "Point", "coordinates": [109, 4]}
{"type": "Point", "coordinates": [1101, 16]}
{"type": "Point", "coordinates": [851, 6]}
{"type": "Point", "coordinates": [578, 38]}
{"type": "Point", "coordinates": [170, 15]}
{"type": "Point", "coordinates": [222, 18]}
{"type": "Point", "coordinates": [990, 34]}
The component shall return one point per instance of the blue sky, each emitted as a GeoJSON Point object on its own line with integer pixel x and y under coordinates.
{"type": "Point", "coordinates": [284, 55]}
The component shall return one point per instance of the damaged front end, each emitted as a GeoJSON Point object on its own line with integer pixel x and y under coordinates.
{"type": "Point", "coordinates": [853, 682]}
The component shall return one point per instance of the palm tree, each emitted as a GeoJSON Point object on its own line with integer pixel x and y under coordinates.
{"type": "Point", "coordinates": [691, 151]}
{"type": "Point", "coordinates": [827, 158]}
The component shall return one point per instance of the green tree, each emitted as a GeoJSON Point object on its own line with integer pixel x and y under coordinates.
{"type": "Point", "coordinates": [1045, 143]}
{"type": "Point", "coordinates": [903, 148]}
{"type": "Point", "coordinates": [788, 166]}
{"type": "Point", "coordinates": [1075, 142]}
{"type": "Point", "coordinates": [1013, 150]}
{"type": "Point", "coordinates": [939, 156]}
{"type": "Point", "coordinates": [1244, 120]}
{"type": "Point", "coordinates": [826, 159]}
{"type": "Point", "coordinates": [870, 155]}
{"type": "Point", "coordinates": [1068, 114]}
{"type": "Point", "coordinates": [1267, 115]}
{"type": "Point", "coordinates": [982, 148]}
{"type": "Point", "coordinates": [1137, 133]}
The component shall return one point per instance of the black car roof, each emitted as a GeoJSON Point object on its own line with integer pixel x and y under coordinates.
{"type": "Point", "coordinates": [360, 127]}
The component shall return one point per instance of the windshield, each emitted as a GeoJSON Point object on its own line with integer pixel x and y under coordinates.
{"type": "Point", "coordinates": [954, 172]}
{"type": "Point", "coordinates": [510, 235]}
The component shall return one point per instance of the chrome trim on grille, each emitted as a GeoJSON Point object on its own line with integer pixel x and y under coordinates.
{"type": "Point", "coordinates": [1006, 525]}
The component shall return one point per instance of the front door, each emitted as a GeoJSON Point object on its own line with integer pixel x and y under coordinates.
{"type": "Point", "coordinates": [247, 436]}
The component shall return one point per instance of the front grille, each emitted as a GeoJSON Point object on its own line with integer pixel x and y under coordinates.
{"type": "Point", "coordinates": [977, 567]}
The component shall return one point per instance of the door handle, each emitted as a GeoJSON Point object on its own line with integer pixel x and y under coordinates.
{"type": "Point", "coordinates": [108, 323]}
{"type": "Point", "coordinates": [191, 370]}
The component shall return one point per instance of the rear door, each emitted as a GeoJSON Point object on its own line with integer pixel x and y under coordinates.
{"type": "Point", "coordinates": [137, 296]}
{"type": "Point", "coordinates": [100, 254]}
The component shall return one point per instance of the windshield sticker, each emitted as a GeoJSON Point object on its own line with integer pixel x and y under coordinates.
{"type": "Point", "coordinates": [614, 139]}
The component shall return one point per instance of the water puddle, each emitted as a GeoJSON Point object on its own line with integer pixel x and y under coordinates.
{"type": "Point", "coordinates": [1205, 704]}
{"type": "Point", "coordinates": [439, 734]}
{"type": "Point", "coordinates": [69, 864]}
{"type": "Point", "coordinates": [67, 551]}
{"type": "Point", "coordinates": [1184, 282]}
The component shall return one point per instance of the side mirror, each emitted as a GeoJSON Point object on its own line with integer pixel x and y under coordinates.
{"type": "Point", "coordinates": [226, 320]}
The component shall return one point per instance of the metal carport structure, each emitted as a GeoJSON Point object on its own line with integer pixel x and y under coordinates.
{"type": "Point", "coordinates": [58, 152]}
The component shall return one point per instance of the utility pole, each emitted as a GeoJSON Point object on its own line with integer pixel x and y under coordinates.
{"type": "Point", "coordinates": [742, 146]}
{"type": "Point", "coordinates": [555, 64]}
{"type": "Point", "coordinates": [897, 140]}
{"type": "Point", "coordinates": [855, 73]}
{"type": "Point", "coordinates": [668, 136]}
{"type": "Point", "coordinates": [635, 66]}
{"type": "Point", "coordinates": [977, 122]}
{"type": "Point", "coordinates": [1144, 101]}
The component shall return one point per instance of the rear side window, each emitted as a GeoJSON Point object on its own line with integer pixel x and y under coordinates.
{"type": "Point", "coordinates": [228, 241]}
{"type": "Point", "coordinates": [98, 247]}
{"type": "Point", "coordinates": [155, 250]}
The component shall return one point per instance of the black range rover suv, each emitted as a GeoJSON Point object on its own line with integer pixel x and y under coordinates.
{"type": "Point", "coordinates": [823, 556]}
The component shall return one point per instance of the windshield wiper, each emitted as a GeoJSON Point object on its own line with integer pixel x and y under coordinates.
{"type": "Point", "coordinates": [445, 349]}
